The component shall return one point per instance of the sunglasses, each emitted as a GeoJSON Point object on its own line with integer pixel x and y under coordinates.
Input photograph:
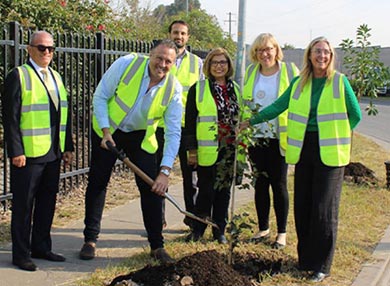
{"type": "Point", "coordinates": [43, 48]}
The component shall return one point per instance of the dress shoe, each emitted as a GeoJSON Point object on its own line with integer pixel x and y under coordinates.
{"type": "Point", "coordinates": [222, 239]}
{"type": "Point", "coordinates": [162, 256]}
{"type": "Point", "coordinates": [318, 276]}
{"type": "Point", "coordinates": [25, 264]}
{"type": "Point", "coordinates": [51, 256]}
{"type": "Point", "coordinates": [258, 238]}
{"type": "Point", "coordinates": [277, 245]}
{"type": "Point", "coordinates": [88, 251]}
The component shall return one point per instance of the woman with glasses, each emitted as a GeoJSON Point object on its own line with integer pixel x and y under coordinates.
{"type": "Point", "coordinates": [212, 114]}
{"type": "Point", "coordinates": [322, 111]}
{"type": "Point", "coordinates": [265, 80]}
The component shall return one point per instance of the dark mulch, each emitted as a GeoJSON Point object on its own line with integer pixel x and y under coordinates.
{"type": "Point", "coordinates": [359, 174]}
{"type": "Point", "coordinates": [208, 268]}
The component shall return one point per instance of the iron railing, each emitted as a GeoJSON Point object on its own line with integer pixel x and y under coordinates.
{"type": "Point", "coordinates": [81, 60]}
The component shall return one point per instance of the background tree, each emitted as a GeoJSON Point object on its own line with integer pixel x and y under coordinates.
{"type": "Point", "coordinates": [119, 18]}
{"type": "Point", "coordinates": [366, 71]}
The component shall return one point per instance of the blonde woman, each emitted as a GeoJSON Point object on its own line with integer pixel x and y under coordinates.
{"type": "Point", "coordinates": [322, 111]}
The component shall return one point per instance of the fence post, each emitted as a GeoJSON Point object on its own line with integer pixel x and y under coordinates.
{"type": "Point", "coordinates": [101, 58]}
{"type": "Point", "coordinates": [15, 49]}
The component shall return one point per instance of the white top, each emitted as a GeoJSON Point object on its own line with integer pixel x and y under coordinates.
{"type": "Point", "coordinates": [265, 92]}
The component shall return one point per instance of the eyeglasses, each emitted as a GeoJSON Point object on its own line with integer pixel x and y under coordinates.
{"type": "Point", "coordinates": [43, 48]}
{"type": "Point", "coordinates": [266, 50]}
{"type": "Point", "coordinates": [320, 51]}
{"type": "Point", "coordinates": [221, 63]}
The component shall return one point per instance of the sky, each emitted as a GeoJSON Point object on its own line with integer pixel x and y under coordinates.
{"type": "Point", "coordinates": [298, 22]}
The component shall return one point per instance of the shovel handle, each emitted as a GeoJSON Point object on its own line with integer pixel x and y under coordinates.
{"type": "Point", "coordinates": [122, 156]}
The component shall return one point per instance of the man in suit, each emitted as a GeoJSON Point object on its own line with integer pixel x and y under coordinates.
{"type": "Point", "coordinates": [133, 96]}
{"type": "Point", "coordinates": [37, 135]}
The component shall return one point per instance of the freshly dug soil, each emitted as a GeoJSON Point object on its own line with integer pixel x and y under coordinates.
{"type": "Point", "coordinates": [359, 174]}
{"type": "Point", "coordinates": [207, 268]}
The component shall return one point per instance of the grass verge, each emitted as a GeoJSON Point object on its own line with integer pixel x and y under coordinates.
{"type": "Point", "coordinates": [364, 213]}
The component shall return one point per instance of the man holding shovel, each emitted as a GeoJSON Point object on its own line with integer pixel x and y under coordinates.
{"type": "Point", "coordinates": [132, 97]}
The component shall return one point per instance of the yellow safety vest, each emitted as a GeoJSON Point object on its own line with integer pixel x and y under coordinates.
{"type": "Point", "coordinates": [35, 112]}
{"type": "Point", "coordinates": [287, 72]}
{"type": "Point", "coordinates": [187, 74]}
{"type": "Point", "coordinates": [333, 125]}
{"type": "Point", "coordinates": [207, 123]}
{"type": "Point", "coordinates": [126, 94]}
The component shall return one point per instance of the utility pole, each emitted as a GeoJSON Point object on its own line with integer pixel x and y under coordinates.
{"type": "Point", "coordinates": [187, 7]}
{"type": "Point", "coordinates": [240, 59]}
{"type": "Point", "coordinates": [230, 23]}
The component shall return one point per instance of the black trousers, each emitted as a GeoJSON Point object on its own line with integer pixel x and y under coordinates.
{"type": "Point", "coordinates": [102, 163]}
{"type": "Point", "coordinates": [270, 169]}
{"type": "Point", "coordinates": [34, 192]}
{"type": "Point", "coordinates": [214, 183]}
{"type": "Point", "coordinates": [189, 191]}
{"type": "Point", "coordinates": [317, 193]}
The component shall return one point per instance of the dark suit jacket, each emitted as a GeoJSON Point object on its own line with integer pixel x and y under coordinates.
{"type": "Point", "coordinates": [11, 104]}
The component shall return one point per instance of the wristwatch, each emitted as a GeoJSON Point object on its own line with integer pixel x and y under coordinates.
{"type": "Point", "coordinates": [166, 172]}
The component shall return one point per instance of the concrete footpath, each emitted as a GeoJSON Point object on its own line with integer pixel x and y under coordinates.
{"type": "Point", "coordinates": [122, 235]}
{"type": "Point", "coordinates": [376, 272]}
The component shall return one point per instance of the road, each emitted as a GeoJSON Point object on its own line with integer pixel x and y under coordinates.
{"type": "Point", "coordinates": [376, 127]}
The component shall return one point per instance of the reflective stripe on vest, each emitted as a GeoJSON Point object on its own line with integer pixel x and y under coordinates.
{"type": "Point", "coordinates": [35, 112]}
{"type": "Point", "coordinates": [286, 74]}
{"type": "Point", "coordinates": [333, 125]}
{"type": "Point", "coordinates": [120, 104]}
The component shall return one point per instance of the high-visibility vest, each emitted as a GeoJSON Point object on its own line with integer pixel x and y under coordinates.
{"type": "Point", "coordinates": [287, 72]}
{"type": "Point", "coordinates": [207, 123]}
{"type": "Point", "coordinates": [333, 125]}
{"type": "Point", "coordinates": [35, 113]}
{"type": "Point", "coordinates": [187, 74]}
{"type": "Point", "coordinates": [126, 94]}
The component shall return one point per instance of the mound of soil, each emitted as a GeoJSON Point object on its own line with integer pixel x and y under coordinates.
{"type": "Point", "coordinates": [359, 174]}
{"type": "Point", "coordinates": [206, 268]}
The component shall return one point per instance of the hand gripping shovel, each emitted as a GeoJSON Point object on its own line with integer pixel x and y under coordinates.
{"type": "Point", "coordinates": [122, 156]}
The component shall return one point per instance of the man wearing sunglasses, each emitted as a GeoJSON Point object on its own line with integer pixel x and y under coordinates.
{"type": "Point", "coordinates": [37, 135]}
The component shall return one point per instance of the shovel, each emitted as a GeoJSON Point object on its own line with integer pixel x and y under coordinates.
{"type": "Point", "coordinates": [122, 156]}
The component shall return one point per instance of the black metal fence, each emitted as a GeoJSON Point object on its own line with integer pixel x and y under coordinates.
{"type": "Point", "coordinates": [81, 60]}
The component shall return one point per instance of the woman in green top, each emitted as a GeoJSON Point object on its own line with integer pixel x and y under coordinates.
{"type": "Point", "coordinates": [322, 111]}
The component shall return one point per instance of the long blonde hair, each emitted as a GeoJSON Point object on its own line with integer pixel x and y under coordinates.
{"type": "Point", "coordinates": [307, 67]}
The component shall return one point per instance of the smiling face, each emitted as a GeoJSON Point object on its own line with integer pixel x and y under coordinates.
{"type": "Point", "coordinates": [320, 58]}
{"type": "Point", "coordinates": [266, 55]}
{"type": "Point", "coordinates": [162, 58]}
{"type": "Point", "coordinates": [44, 58]}
{"type": "Point", "coordinates": [179, 34]}
{"type": "Point", "coordinates": [219, 66]}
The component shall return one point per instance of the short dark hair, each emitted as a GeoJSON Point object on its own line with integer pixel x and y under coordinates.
{"type": "Point", "coordinates": [217, 52]}
{"type": "Point", "coordinates": [181, 22]}
{"type": "Point", "coordinates": [166, 42]}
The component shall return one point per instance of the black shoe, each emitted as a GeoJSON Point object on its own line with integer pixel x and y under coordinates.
{"type": "Point", "coordinates": [25, 264]}
{"type": "Point", "coordinates": [161, 255]}
{"type": "Point", "coordinates": [51, 256]}
{"type": "Point", "coordinates": [277, 245]}
{"type": "Point", "coordinates": [88, 251]}
{"type": "Point", "coordinates": [193, 237]}
{"type": "Point", "coordinates": [222, 239]}
{"type": "Point", "coordinates": [318, 276]}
